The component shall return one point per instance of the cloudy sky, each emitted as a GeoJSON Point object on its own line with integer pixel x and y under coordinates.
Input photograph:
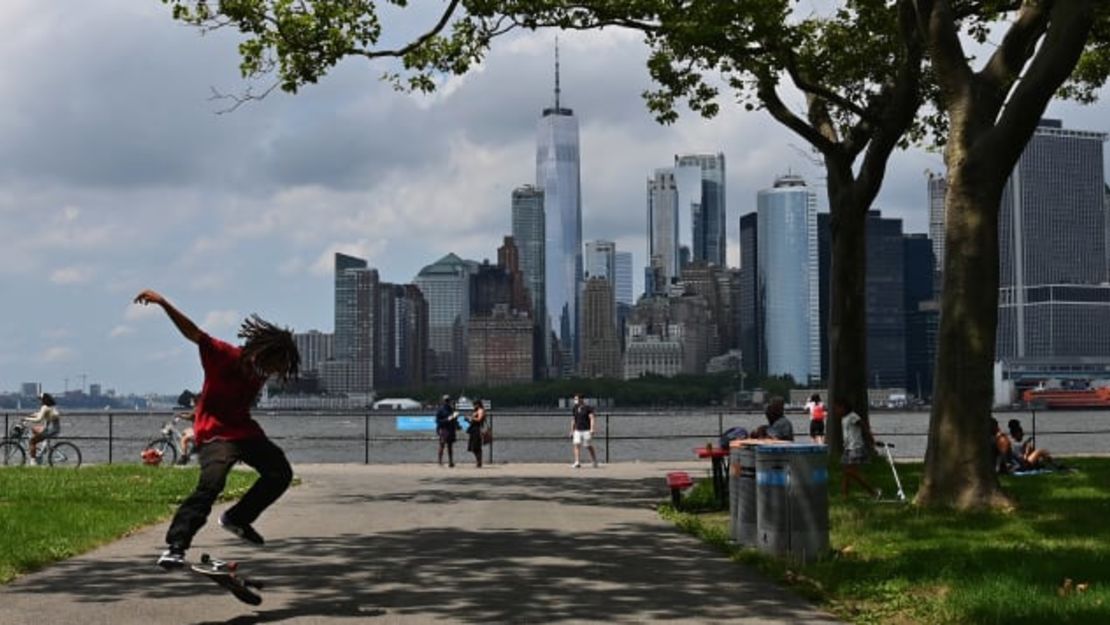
{"type": "Point", "coordinates": [117, 174]}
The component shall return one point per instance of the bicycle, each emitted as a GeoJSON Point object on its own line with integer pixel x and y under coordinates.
{"type": "Point", "coordinates": [13, 450]}
{"type": "Point", "coordinates": [166, 446]}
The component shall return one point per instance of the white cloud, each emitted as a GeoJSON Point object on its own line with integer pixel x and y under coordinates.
{"type": "Point", "coordinates": [120, 330]}
{"type": "Point", "coordinates": [57, 354]}
{"type": "Point", "coordinates": [217, 320]}
{"type": "Point", "coordinates": [71, 275]}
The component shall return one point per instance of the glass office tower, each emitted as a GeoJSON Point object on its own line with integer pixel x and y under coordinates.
{"type": "Point", "coordinates": [557, 174]}
{"type": "Point", "coordinates": [788, 279]}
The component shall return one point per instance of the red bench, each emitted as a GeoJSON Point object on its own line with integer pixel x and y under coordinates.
{"type": "Point", "coordinates": [678, 481]}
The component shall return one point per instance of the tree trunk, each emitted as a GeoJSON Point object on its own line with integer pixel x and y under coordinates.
{"type": "Point", "coordinates": [847, 329]}
{"type": "Point", "coordinates": [958, 461]}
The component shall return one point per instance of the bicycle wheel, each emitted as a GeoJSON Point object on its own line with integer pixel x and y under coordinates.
{"type": "Point", "coordinates": [11, 454]}
{"type": "Point", "coordinates": [65, 455]}
{"type": "Point", "coordinates": [166, 448]}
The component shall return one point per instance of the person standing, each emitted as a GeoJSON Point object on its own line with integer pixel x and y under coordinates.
{"type": "Point", "coordinates": [816, 409]}
{"type": "Point", "coordinates": [446, 424]}
{"type": "Point", "coordinates": [474, 432]}
{"type": "Point", "coordinates": [858, 443]}
{"type": "Point", "coordinates": [47, 423]}
{"type": "Point", "coordinates": [225, 431]}
{"type": "Point", "coordinates": [582, 430]}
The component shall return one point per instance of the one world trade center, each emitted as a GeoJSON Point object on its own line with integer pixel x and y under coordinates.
{"type": "Point", "coordinates": [557, 173]}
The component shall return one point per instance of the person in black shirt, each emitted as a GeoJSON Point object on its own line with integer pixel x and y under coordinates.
{"type": "Point", "coordinates": [446, 424]}
{"type": "Point", "coordinates": [582, 430]}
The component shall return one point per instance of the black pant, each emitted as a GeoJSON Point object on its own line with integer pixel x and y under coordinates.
{"type": "Point", "coordinates": [216, 459]}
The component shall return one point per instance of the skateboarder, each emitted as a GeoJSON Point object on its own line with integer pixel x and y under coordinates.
{"type": "Point", "coordinates": [582, 430]}
{"type": "Point", "coordinates": [225, 432]}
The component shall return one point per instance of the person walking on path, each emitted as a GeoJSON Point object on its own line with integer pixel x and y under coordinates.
{"type": "Point", "coordinates": [582, 430]}
{"type": "Point", "coordinates": [816, 409]}
{"type": "Point", "coordinates": [858, 443]}
{"type": "Point", "coordinates": [224, 429]}
{"type": "Point", "coordinates": [47, 423]}
{"type": "Point", "coordinates": [446, 425]}
{"type": "Point", "coordinates": [474, 432]}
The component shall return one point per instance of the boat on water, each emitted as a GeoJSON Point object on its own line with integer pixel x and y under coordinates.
{"type": "Point", "coordinates": [1067, 398]}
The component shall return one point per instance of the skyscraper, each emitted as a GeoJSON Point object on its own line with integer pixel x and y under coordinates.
{"type": "Point", "coordinates": [356, 299]}
{"type": "Point", "coordinates": [788, 278]}
{"type": "Point", "coordinates": [528, 233]}
{"type": "Point", "coordinates": [623, 280]}
{"type": "Point", "coordinates": [662, 220]}
{"type": "Point", "coordinates": [601, 355]}
{"type": "Point", "coordinates": [937, 187]}
{"type": "Point", "coordinates": [706, 200]}
{"type": "Point", "coordinates": [750, 314]}
{"type": "Point", "coordinates": [922, 315]}
{"type": "Point", "coordinates": [600, 260]}
{"type": "Point", "coordinates": [445, 285]}
{"type": "Point", "coordinates": [1054, 301]}
{"type": "Point", "coordinates": [557, 174]}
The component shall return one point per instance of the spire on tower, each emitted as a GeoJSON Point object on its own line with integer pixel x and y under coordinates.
{"type": "Point", "coordinates": [556, 72]}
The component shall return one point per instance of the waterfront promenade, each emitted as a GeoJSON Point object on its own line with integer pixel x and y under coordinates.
{"type": "Point", "coordinates": [515, 543]}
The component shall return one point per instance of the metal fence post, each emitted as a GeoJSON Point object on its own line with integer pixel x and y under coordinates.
{"type": "Point", "coordinates": [110, 424]}
{"type": "Point", "coordinates": [607, 438]}
{"type": "Point", "coordinates": [366, 437]}
{"type": "Point", "coordinates": [490, 426]}
{"type": "Point", "coordinates": [720, 424]}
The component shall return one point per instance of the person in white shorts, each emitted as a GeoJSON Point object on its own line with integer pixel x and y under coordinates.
{"type": "Point", "coordinates": [582, 430]}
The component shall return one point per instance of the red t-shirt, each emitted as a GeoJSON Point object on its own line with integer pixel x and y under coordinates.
{"type": "Point", "coordinates": [224, 407]}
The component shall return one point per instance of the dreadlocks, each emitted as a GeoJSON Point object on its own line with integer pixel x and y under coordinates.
{"type": "Point", "coordinates": [268, 344]}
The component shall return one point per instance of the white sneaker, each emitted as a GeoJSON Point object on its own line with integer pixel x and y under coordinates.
{"type": "Point", "coordinates": [575, 465]}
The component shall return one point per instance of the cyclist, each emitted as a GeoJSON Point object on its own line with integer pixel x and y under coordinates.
{"type": "Point", "coordinates": [47, 423]}
{"type": "Point", "coordinates": [188, 435]}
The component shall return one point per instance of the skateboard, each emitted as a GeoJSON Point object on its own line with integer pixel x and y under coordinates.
{"type": "Point", "coordinates": [226, 575]}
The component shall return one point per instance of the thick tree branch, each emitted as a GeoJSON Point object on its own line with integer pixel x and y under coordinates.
{"type": "Point", "coordinates": [937, 24]}
{"type": "Point", "coordinates": [821, 91]}
{"type": "Point", "coordinates": [1069, 25]}
{"type": "Point", "coordinates": [900, 101]}
{"type": "Point", "coordinates": [1018, 45]}
{"type": "Point", "coordinates": [769, 96]}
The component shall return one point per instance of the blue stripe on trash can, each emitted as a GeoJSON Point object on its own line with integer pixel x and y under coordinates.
{"type": "Point", "coordinates": [771, 478]}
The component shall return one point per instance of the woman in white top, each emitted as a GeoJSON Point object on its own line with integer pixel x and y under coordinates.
{"type": "Point", "coordinates": [46, 422]}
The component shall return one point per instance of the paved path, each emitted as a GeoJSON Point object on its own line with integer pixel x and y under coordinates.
{"type": "Point", "coordinates": [421, 544]}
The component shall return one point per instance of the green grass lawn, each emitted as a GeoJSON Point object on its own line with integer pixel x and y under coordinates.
{"type": "Point", "coordinates": [50, 514]}
{"type": "Point", "coordinates": [894, 563]}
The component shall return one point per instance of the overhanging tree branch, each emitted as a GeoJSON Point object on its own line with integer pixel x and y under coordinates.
{"type": "Point", "coordinates": [1018, 45]}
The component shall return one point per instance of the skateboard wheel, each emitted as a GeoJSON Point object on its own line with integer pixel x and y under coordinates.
{"type": "Point", "coordinates": [205, 558]}
{"type": "Point", "coordinates": [231, 566]}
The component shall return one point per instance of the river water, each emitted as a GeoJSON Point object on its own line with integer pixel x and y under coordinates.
{"type": "Point", "coordinates": [622, 436]}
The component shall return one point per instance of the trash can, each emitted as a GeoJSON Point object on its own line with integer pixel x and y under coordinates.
{"type": "Point", "coordinates": [742, 470]}
{"type": "Point", "coordinates": [792, 501]}
{"type": "Point", "coordinates": [808, 494]}
{"type": "Point", "coordinates": [772, 476]}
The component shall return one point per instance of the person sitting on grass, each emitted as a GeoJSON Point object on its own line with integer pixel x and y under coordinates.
{"type": "Point", "coordinates": [858, 445]}
{"type": "Point", "coordinates": [1024, 450]}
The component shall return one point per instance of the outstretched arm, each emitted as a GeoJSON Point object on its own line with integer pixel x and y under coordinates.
{"type": "Point", "coordinates": [184, 324]}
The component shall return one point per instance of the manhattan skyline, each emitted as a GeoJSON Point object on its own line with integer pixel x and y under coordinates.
{"type": "Point", "coordinates": [118, 174]}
